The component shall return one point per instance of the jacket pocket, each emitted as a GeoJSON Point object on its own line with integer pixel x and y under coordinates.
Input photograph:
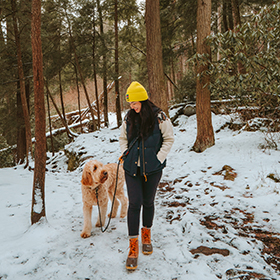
{"type": "Point", "coordinates": [152, 162]}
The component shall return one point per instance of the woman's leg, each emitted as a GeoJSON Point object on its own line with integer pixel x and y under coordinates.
{"type": "Point", "coordinates": [135, 198]}
{"type": "Point", "coordinates": [149, 192]}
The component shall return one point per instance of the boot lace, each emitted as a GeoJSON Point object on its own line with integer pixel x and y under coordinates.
{"type": "Point", "coordinates": [146, 236]}
{"type": "Point", "coordinates": [133, 248]}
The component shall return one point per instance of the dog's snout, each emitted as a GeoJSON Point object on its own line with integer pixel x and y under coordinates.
{"type": "Point", "coordinates": [105, 173]}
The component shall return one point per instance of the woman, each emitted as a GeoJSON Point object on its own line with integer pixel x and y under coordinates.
{"type": "Point", "coordinates": [148, 134]}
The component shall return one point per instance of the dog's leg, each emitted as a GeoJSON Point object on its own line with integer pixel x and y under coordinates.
{"type": "Point", "coordinates": [124, 201]}
{"type": "Point", "coordinates": [116, 204]}
{"type": "Point", "coordinates": [103, 211]}
{"type": "Point", "coordinates": [87, 210]}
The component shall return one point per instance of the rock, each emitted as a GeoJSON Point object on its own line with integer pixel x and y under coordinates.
{"type": "Point", "coordinates": [189, 110]}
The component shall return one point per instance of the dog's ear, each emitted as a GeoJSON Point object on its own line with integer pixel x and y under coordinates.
{"type": "Point", "coordinates": [86, 178]}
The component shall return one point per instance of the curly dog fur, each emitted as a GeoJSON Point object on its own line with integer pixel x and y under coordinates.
{"type": "Point", "coordinates": [96, 175]}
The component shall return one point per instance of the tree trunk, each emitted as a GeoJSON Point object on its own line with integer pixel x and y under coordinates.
{"type": "Point", "coordinates": [237, 22]}
{"type": "Point", "coordinates": [104, 58]}
{"type": "Point", "coordinates": [61, 95]}
{"type": "Point", "coordinates": [105, 92]}
{"type": "Point", "coordinates": [94, 71]}
{"type": "Point", "coordinates": [225, 22]}
{"type": "Point", "coordinates": [38, 195]}
{"type": "Point", "coordinates": [205, 133]}
{"type": "Point", "coordinates": [2, 40]}
{"type": "Point", "coordinates": [230, 15]}
{"type": "Point", "coordinates": [21, 137]}
{"type": "Point", "coordinates": [117, 90]}
{"type": "Point", "coordinates": [236, 12]}
{"type": "Point", "coordinates": [157, 89]}
{"type": "Point", "coordinates": [81, 74]}
{"type": "Point", "coordinates": [219, 27]}
{"type": "Point", "coordinates": [22, 86]}
{"type": "Point", "coordinates": [79, 97]}
{"type": "Point", "coordinates": [59, 75]}
{"type": "Point", "coordinates": [50, 123]}
{"type": "Point", "coordinates": [69, 134]}
{"type": "Point", "coordinates": [83, 83]}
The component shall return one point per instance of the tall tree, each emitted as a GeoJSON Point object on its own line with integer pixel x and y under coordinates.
{"type": "Point", "coordinates": [157, 89]}
{"type": "Point", "coordinates": [236, 12]}
{"type": "Point", "coordinates": [72, 43]}
{"type": "Point", "coordinates": [117, 88]}
{"type": "Point", "coordinates": [205, 133]}
{"type": "Point", "coordinates": [227, 15]}
{"type": "Point", "coordinates": [94, 64]}
{"type": "Point", "coordinates": [64, 122]}
{"type": "Point", "coordinates": [237, 22]}
{"type": "Point", "coordinates": [38, 195]}
{"type": "Point", "coordinates": [104, 70]}
{"type": "Point", "coordinates": [21, 135]}
{"type": "Point", "coordinates": [22, 84]}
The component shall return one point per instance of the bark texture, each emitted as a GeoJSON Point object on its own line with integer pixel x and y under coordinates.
{"type": "Point", "coordinates": [205, 133]}
{"type": "Point", "coordinates": [117, 88]}
{"type": "Point", "coordinates": [22, 84]}
{"type": "Point", "coordinates": [157, 89]}
{"type": "Point", "coordinates": [38, 195]}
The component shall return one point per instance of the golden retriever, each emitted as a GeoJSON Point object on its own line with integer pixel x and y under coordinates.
{"type": "Point", "coordinates": [96, 175]}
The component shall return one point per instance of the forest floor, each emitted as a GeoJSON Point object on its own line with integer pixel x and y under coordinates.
{"type": "Point", "coordinates": [216, 217]}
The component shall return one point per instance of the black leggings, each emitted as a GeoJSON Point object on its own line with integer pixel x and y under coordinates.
{"type": "Point", "coordinates": [141, 193]}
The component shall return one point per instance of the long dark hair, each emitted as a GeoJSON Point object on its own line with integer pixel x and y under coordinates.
{"type": "Point", "coordinates": [142, 123]}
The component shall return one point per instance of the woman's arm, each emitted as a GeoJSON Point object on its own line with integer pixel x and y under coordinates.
{"type": "Point", "coordinates": [123, 138]}
{"type": "Point", "coordinates": [168, 139]}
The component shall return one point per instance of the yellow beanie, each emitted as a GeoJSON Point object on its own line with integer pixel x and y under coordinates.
{"type": "Point", "coordinates": [136, 92]}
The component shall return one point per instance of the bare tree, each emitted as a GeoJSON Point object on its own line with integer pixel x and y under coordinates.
{"type": "Point", "coordinates": [205, 134]}
{"type": "Point", "coordinates": [63, 120]}
{"type": "Point", "coordinates": [81, 74]}
{"type": "Point", "coordinates": [38, 195]}
{"type": "Point", "coordinates": [79, 99]}
{"type": "Point", "coordinates": [157, 89]}
{"type": "Point", "coordinates": [22, 85]}
{"type": "Point", "coordinates": [50, 123]}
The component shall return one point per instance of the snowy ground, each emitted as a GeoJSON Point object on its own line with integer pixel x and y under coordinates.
{"type": "Point", "coordinates": [194, 208]}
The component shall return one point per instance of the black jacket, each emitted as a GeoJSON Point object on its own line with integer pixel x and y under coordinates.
{"type": "Point", "coordinates": [147, 150]}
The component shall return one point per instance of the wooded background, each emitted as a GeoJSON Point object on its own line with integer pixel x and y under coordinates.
{"type": "Point", "coordinates": [92, 50]}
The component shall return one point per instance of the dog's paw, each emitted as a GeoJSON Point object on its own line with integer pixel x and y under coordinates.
{"type": "Point", "coordinates": [98, 224]}
{"type": "Point", "coordinates": [123, 215]}
{"type": "Point", "coordinates": [113, 216]}
{"type": "Point", "coordinates": [85, 234]}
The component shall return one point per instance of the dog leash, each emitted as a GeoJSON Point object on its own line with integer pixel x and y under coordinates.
{"type": "Point", "coordinates": [96, 193]}
{"type": "Point", "coordinates": [126, 152]}
{"type": "Point", "coordinates": [122, 157]}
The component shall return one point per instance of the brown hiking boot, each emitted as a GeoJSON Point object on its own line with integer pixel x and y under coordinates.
{"type": "Point", "coordinates": [147, 247]}
{"type": "Point", "coordinates": [131, 261]}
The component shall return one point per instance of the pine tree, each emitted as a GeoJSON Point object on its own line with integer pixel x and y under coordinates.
{"type": "Point", "coordinates": [205, 133]}
{"type": "Point", "coordinates": [38, 195]}
{"type": "Point", "coordinates": [157, 89]}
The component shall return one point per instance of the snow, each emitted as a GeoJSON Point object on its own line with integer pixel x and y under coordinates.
{"type": "Point", "coordinates": [53, 249]}
{"type": "Point", "coordinates": [38, 203]}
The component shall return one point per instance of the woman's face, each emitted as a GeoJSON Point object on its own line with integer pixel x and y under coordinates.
{"type": "Point", "coordinates": [136, 106]}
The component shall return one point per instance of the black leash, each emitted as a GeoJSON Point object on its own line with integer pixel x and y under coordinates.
{"type": "Point", "coordinates": [122, 157]}
{"type": "Point", "coordinates": [96, 193]}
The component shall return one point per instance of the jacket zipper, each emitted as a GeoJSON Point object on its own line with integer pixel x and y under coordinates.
{"type": "Point", "coordinates": [144, 172]}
